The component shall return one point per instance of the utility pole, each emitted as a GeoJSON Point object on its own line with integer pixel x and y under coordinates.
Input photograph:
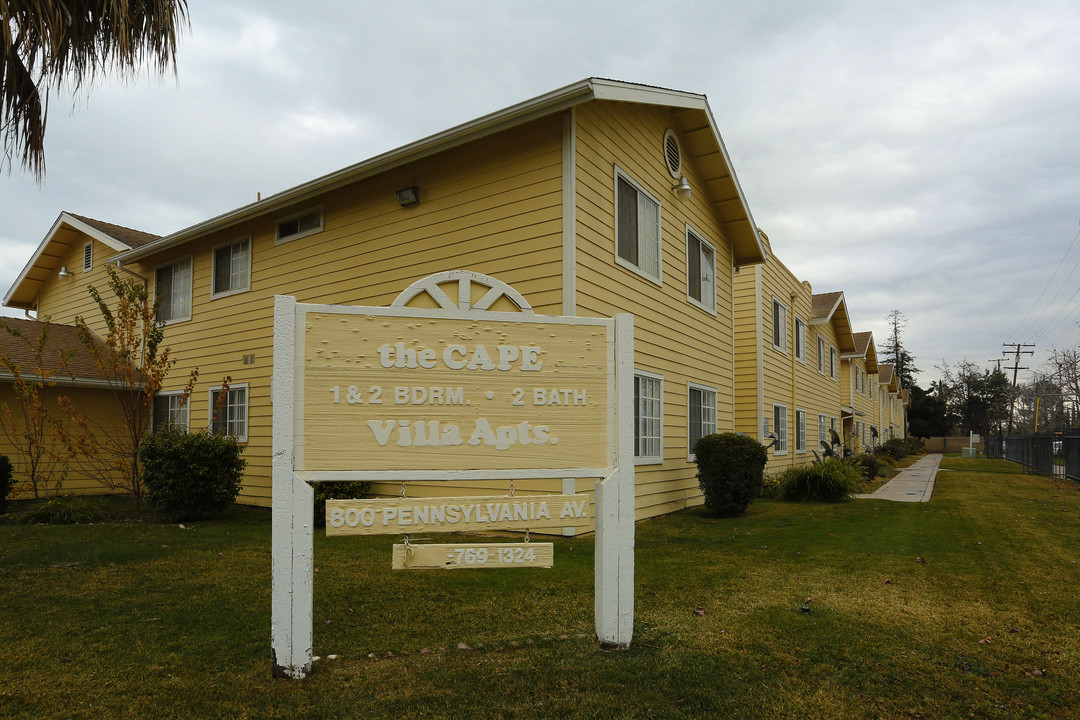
{"type": "Point", "coordinates": [998, 361]}
{"type": "Point", "coordinates": [1018, 348]}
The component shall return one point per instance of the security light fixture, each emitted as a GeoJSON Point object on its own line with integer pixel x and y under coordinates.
{"type": "Point", "coordinates": [408, 196]}
{"type": "Point", "coordinates": [683, 189]}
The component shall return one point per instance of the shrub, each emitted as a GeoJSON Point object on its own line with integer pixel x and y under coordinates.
{"type": "Point", "coordinates": [731, 472]}
{"type": "Point", "coordinates": [62, 510]}
{"type": "Point", "coordinates": [338, 491]}
{"type": "Point", "coordinates": [7, 481]}
{"type": "Point", "coordinates": [870, 464]}
{"type": "Point", "coordinates": [832, 480]}
{"type": "Point", "coordinates": [896, 448]}
{"type": "Point", "coordinates": [189, 475]}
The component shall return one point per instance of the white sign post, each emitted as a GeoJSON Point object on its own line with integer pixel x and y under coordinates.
{"type": "Point", "coordinates": [437, 387]}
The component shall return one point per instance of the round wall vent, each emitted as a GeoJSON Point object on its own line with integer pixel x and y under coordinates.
{"type": "Point", "coordinates": [672, 154]}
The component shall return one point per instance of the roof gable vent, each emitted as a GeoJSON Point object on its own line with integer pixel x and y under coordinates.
{"type": "Point", "coordinates": [672, 154]}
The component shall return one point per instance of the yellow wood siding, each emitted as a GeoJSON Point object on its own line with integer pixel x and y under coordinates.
{"type": "Point", "coordinates": [673, 337]}
{"type": "Point", "coordinates": [103, 415]}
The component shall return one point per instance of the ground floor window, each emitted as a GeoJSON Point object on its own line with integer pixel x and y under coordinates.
{"type": "Point", "coordinates": [229, 411]}
{"type": "Point", "coordinates": [780, 429]}
{"type": "Point", "coordinates": [800, 431]}
{"type": "Point", "coordinates": [648, 419]}
{"type": "Point", "coordinates": [170, 409]}
{"type": "Point", "coordinates": [701, 418]}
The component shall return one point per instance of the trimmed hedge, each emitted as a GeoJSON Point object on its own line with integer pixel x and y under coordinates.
{"type": "Point", "coordinates": [731, 472]}
{"type": "Point", "coordinates": [190, 475]}
{"type": "Point", "coordinates": [337, 491]}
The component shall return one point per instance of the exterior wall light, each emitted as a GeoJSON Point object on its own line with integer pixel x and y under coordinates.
{"type": "Point", "coordinates": [408, 196]}
{"type": "Point", "coordinates": [64, 272]}
{"type": "Point", "coordinates": [683, 189]}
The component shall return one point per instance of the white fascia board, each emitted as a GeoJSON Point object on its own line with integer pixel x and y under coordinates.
{"type": "Point", "coordinates": [63, 219]}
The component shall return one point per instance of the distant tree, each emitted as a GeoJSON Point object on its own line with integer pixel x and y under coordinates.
{"type": "Point", "coordinates": [895, 352]}
{"type": "Point", "coordinates": [1063, 369]}
{"type": "Point", "coordinates": [45, 44]}
{"type": "Point", "coordinates": [976, 400]}
{"type": "Point", "coordinates": [32, 423]}
{"type": "Point", "coordinates": [135, 364]}
{"type": "Point", "coordinates": [927, 414]}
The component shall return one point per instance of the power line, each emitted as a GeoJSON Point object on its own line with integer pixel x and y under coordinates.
{"type": "Point", "coordinates": [1047, 286]}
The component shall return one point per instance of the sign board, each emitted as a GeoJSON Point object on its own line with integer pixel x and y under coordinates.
{"type": "Point", "coordinates": [468, 556]}
{"type": "Point", "coordinates": [397, 516]}
{"type": "Point", "coordinates": [440, 386]}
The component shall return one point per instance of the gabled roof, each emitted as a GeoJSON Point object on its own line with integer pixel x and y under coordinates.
{"type": "Point", "coordinates": [702, 142]}
{"type": "Point", "coordinates": [885, 373]}
{"type": "Point", "coordinates": [865, 348]}
{"type": "Point", "coordinates": [68, 230]}
{"type": "Point", "coordinates": [832, 308]}
{"type": "Point", "coordinates": [64, 358]}
{"type": "Point", "coordinates": [906, 396]}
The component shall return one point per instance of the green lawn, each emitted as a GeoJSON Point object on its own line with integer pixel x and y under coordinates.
{"type": "Point", "coordinates": [151, 621]}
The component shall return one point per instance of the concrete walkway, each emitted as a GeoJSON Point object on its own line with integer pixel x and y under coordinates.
{"type": "Point", "coordinates": [913, 484]}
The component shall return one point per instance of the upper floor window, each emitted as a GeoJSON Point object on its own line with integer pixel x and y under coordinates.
{"type": "Point", "coordinates": [800, 340]}
{"type": "Point", "coordinates": [637, 228]}
{"type": "Point", "coordinates": [232, 267]}
{"type": "Point", "coordinates": [172, 283]}
{"type": "Point", "coordinates": [779, 325]}
{"type": "Point", "coordinates": [700, 271]}
{"type": "Point", "coordinates": [88, 257]}
{"type": "Point", "coordinates": [170, 409]}
{"type": "Point", "coordinates": [302, 224]}
{"type": "Point", "coordinates": [834, 369]}
{"type": "Point", "coordinates": [701, 416]}
{"type": "Point", "coordinates": [821, 355]}
{"type": "Point", "coordinates": [648, 419]}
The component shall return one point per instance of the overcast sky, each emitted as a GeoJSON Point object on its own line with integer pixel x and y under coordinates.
{"type": "Point", "coordinates": [916, 155]}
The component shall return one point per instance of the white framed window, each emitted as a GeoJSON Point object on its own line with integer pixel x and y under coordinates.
{"type": "Point", "coordinates": [648, 417]}
{"type": "Point", "coordinates": [821, 368]}
{"type": "Point", "coordinates": [88, 257]}
{"type": "Point", "coordinates": [170, 409]}
{"type": "Point", "coordinates": [800, 340]}
{"type": "Point", "coordinates": [231, 268]}
{"type": "Point", "coordinates": [832, 424]}
{"type": "Point", "coordinates": [822, 430]}
{"type": "Point", "coordinates": [701, 414]}
{"type": "Point", "coordinates": [779, 325]}
{"type": "Point", "coordinates": [700, 271]}
{"type": "Point", "coordinates": [229, 412]}
{"type": "Point", "coordinates": [834, 367]}
{"type": "Point", "coordinates": [298, 225]}
{"type": "Point", "coordinates": [637, 228]}
{"type": "Point", "coordinates": [800, 431]}
{"type": "Point", "coordinates": [779, 415]}
{"type": "Point", "coordinates": [172, 283]}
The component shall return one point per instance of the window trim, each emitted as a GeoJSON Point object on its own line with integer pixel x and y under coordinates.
{"type": "Point", "coordinates": [247, 408]}
{"type": "Point", "coordinates": [186, 406]}
{"type": "Point", "coordinates": [715, 414]}
{"type": "Point", "coordinates": [278, 240]}
{"type": "Point", "coordinates": [711, 309]}
{"type": "Point", "coordinates": [650, 459]}
{"type": "Point", "coordinates": [213, 268]}
{"type": "Point", "coordinates": [800, 340]}
{"type": "Point", "coordinates": [780, 430]}
{"type": "Point", "coordinates": [777, 305]}
{"type": "Point", "coordinates": [659, 279]}
{"type": "Point", "coordinates": [191, 291]}
{"type": "Point", "coordinates": [800, 413]}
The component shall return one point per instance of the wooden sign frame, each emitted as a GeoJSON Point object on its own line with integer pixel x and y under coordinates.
{"type": "Point", "coordinates": [293, 469]}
